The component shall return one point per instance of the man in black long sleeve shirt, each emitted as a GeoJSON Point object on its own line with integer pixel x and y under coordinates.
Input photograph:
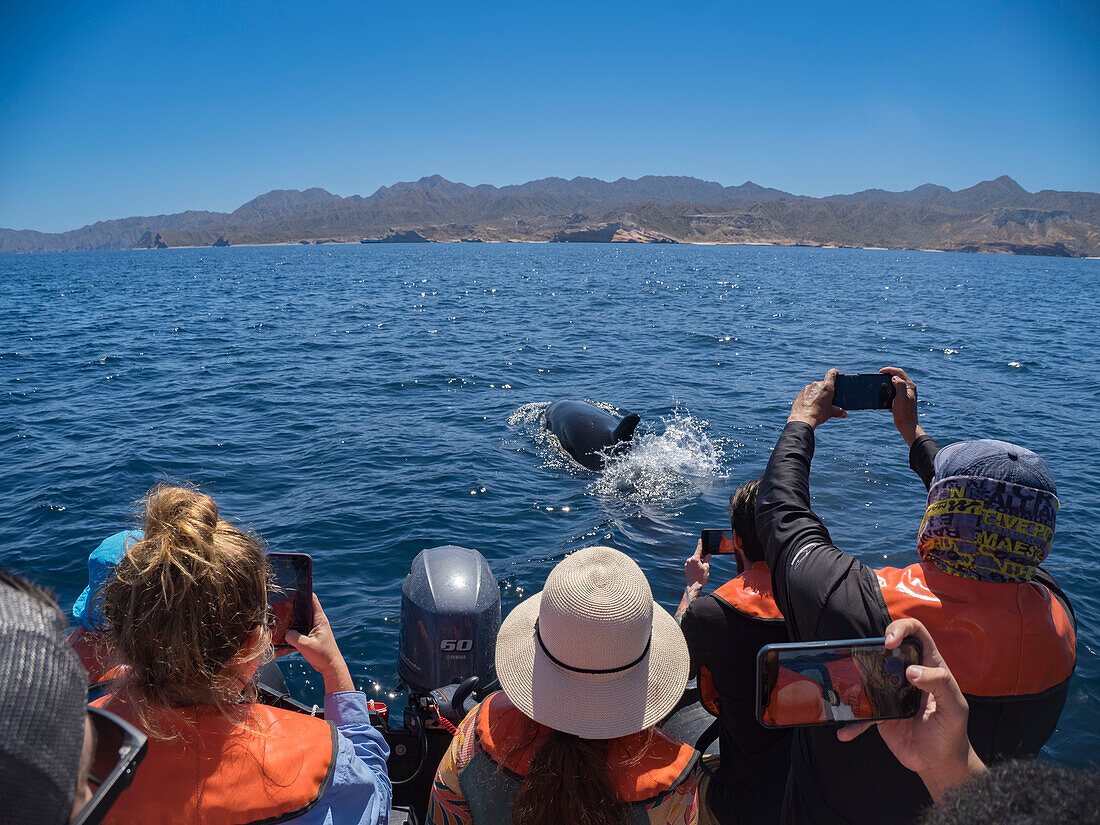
{"type": "Point", "coordinates": [1010, 641]}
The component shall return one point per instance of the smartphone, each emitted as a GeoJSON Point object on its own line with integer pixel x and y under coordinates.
{"type": "Point", "coordinates": [291, 600]}
{"type": "Point", "coordinates": [718, 541]}
{"type": "Point", "coordinates": [873, 391]}
{"type": "Point", "coordinates": [835, 683]}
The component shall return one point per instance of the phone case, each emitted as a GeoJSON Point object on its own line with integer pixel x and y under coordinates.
{"type": "Point", "coordinates": [874, 642]}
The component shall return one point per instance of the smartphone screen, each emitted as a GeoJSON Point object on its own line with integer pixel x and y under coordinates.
{"type": "Point", "coordinates": [834, 683]}
{"type": "Point", "coordinates": [291, 599]}
{"type": "Point", "coordinates": [718, 541]}
{"type": "Point", "coordinates": [873, 391]}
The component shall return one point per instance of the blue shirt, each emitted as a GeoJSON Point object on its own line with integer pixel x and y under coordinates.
{"type": "Point", "coordinates": [360, 791]}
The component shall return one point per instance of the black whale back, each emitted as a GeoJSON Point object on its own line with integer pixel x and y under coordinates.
{"type": "Point", "coordinates": [584, 430]}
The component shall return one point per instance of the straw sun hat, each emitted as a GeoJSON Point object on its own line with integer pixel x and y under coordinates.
{"type": "Point", "coordinates": [592, 654]}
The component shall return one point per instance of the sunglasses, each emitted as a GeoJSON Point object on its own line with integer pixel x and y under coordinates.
{"type": "Point", "coordinates": [120, 747]}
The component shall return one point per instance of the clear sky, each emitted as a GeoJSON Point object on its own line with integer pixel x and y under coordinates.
{"type": "Point", "coordinates": [112, 109]}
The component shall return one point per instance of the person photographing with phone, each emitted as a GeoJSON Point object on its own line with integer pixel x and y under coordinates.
{"type": "Point", "coordinates": [1000, 621]}
{"type": "Point", "coordinates": [724, 631]}
{"type": "Point", "coordinates": [186, 609]}
{"type": "Point", "coordinates": [934, 744]}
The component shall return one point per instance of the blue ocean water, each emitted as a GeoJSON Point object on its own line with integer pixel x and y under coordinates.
{"type": "Point", "coordinates": [362, 403]}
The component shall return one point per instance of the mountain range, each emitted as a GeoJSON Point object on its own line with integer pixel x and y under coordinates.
{"type": "Point", "coordinates": [992, 216]}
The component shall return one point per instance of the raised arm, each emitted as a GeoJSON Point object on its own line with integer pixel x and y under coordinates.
{"type": "Point", "coordinates": [823, 592]}
{"type": "Point", "coordinates": [922, 449]}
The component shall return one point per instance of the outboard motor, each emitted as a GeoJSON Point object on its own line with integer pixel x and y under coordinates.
{"type": "Point", "coordinates": [450, 615]}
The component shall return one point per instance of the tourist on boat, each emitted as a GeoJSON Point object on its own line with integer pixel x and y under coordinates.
{"type": "Point", "coordinates": [725, 630]}
{"type": "Point", "coordinates": [934, 743]}
{"type": "Point", "coordinates": [1021, 792]}
{"type": "Point", "coordinates": [49, 741]}
{"type": "Point", "coordinates": [186, 609]}
{"type": "Point", "coordinates": [89, 639]}
{"type": "Point", "coordinates": [1000, 621]}
{"type": "Point", "coordinates": [587, 668]}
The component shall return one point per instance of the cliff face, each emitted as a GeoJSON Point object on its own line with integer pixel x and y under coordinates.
{"type": "Point", "coordinates": [996, 215]}
{"type": "Point", "coordinates": [616, 232]}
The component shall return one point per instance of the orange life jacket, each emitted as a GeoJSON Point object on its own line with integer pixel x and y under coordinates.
{"type": "Point", "coordinates": [803, 706]}
{"type": "Point", "coordinates": [263, 765]}
{"type": "Point", "coordinates": [642, 767]}
{"type": "Point", "coordinates": [751, 594]}
{"type": "Point", "coordinates": [998, 638]}
{"type": "Point", "coordinates": [847, 686]}
{"type": "Point", "coordinates": [98, 660]}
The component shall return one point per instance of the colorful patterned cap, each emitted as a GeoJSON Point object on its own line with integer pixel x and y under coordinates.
{"type": "Point", "coordinates": [983, 528]}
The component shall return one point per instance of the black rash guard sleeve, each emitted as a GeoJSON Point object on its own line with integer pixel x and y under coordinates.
{"type": "Point", "coordinates": [921, 457]}
{"type": "Point", "coordinates": [823, 592]}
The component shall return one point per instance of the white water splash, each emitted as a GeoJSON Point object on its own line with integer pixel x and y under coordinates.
{"type": "Point", "coordinates": [658, 467]}
{"type": "Point", "coordinates": [663, 466]}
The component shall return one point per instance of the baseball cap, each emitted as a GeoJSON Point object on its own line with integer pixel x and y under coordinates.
{"type": "Point", "coordinates": [999, 460]}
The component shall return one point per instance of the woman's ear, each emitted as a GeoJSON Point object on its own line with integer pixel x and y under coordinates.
{"type": "Point", "coordinates": [243, 666]}
{"type": "Point", "coordinates": [254, 643]}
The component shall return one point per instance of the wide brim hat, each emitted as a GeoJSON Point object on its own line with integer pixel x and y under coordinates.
{"type": "Point", "coordinates": [592, 654]}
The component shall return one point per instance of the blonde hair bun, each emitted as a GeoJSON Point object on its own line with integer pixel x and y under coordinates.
{"type": "Point", "coordinates": [184, 599]}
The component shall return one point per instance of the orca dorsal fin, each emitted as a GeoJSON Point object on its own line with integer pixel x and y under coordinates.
{"type": "Point", "coordinates": [625, 430]}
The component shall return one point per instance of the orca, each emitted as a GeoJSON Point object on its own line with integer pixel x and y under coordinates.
{"type": "Point", "coordinates": [584, 430]}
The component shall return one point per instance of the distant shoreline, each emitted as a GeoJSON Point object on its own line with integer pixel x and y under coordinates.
{"type": "Point", "coordinates": [312, 244]}
{"type": "Point", "coordinates": [996, 216]}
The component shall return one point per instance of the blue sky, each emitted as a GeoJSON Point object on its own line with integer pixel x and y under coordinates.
{"type": "Point", "coordinates": [115, 108]}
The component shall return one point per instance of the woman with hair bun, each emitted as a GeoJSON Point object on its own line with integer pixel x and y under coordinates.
{"type": "Point", "coordinates": [587, 668]}
{"type": "Point", "coordinates": [186, 609]}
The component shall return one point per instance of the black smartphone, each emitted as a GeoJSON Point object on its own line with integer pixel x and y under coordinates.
{"type": "Point", "coordinates": [871, 391]}
{"type": "Point", "coordinates": [835, 683]}
{"type": "Point", "coordinates": [291, 599]}
{"type": "Point", "coordinates": [718, 541]}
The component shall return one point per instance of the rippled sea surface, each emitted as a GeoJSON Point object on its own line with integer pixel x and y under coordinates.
{"type": "Point", "coordinates": [362, 403]}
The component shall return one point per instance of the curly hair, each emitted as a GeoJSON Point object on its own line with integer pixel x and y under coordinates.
{"type": "Point", "coordinates": [1024, 792]}
{"type": "Point", "coordinates": [184, 599]}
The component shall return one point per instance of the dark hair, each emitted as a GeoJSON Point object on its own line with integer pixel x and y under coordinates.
{"type": "Point", "coordinates": [742, 512]}
{"type": "Point", "coordinates": [568, 782]}
{"type": "Point", "coordinates": [1023, 792]}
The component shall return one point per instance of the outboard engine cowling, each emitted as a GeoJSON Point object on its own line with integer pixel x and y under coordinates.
{"type": "Point", "coordinates": [450, 615]}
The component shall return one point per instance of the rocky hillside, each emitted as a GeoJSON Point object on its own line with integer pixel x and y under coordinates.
{"type": "Point", "coordinates": [992, 216]}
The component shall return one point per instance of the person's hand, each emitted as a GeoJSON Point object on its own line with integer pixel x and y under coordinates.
{"type": "Point", "coordinates": [933, 743]}
{"type": "Point", "coordinates": [696, 571]}
{"type": "Point", "coordinates": [319, 648]}
{"type": "Point", "coordinates": [814, 405]}
{"type": "Point", "coordinates": [697, 567]}
{"type": "Point", "coordinates": [904, 407]}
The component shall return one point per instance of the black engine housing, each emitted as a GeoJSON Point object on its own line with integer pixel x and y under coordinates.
{"type": "Point", "coordinates": [450, 615]}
